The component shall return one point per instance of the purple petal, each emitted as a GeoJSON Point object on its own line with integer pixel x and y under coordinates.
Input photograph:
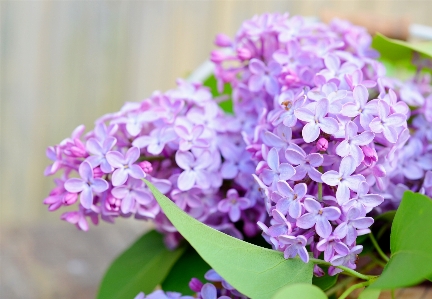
{"type": "Point", "coordinates": [184, 159]}
{"type": "Point", "coordinates": [86, 171]}
{"type": "Point", "coordinates": [310, 132]}
{"type": "Point", "coordinates": [354, 181]}
{"type": "Point", "coordinates": [362, 223]}
{"type": "Point", "coordinates": [94, 147]}
{"type": "Point", "coordinates": [273, 159]}
{"type": "Point", "coordinates": [305, 114]}
{"type": "Point", "coordinates": [312, 205]}
{"type": "Point", "coordinates": [132, 155]}
{"type": "Point", "coordinates": [286, 171]}
{"type": "Point", "coordinates": [294, 157]}
{"type": "Point", "coordinates": [99, 185]}
{"type": "Point", "coordinates": [329, 125]}
{"type": "Point", "coordinates": [323, 227]}
{"type": "Point", "coordinates": [119, 177]}
{"type": "Point", "coordinates": [306, 221]}
{"type": "Point", "coordinates": [303, 254]}
{"type": "Point", "coordinates": [75, 185]}
{"type": "Point", "coordinates": [295, 209]}
{"type": "Point", "coordinates": [120, 192]}
{"type": "Point", "coordinates": [315, 159]}
{"type": "Point", "coordinates": [256, 82]}
{"type": "Point", "coordinates": [143, 141]}
{"type": "Point", "coordinates": [208, 291]}
{"type": "Point", "coordinates": [350, 109]}
{"type": "Point", "coordinates": [271, 85]}
{"type": "Point", "coordinates": [321, 108]}
{"type": "Point", "coordinates": [127, 204]}
{"type": "Point", "coordinates": [364, 138]}
{"type": "Point", "coordinates": [116, 159]}
{"type": "Point", "coordinates": [284, 189]}
{"type": "Point", "coordinates": [234, 213]}
{"type": "Point", "coordinates": [186, 180]}
{"type": "Point", "coordinates": [342, 193]}
{"type": "Point", "coordinates": [347, 166]}
{"type": "Point", "coordinates": [86, 198]}
{"type": "Point", "coordinates": [136, 172]}
{"type": "Point", "coordinates": [331, 178]}
{"type": "Point", "coordinates": [376, 125]}
{"type": "Point", "coordinates": [331, 213]}
{"type": "Point", "coordinates": [390, 134]}
{"type": "Point", "coordinates": [256, 66]}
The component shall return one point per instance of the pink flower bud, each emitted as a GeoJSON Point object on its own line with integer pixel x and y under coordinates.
{"type": "Point", "coordinates": [70, 198]}
{"type": "Point", "coordinates": [97, 172]}
{"type": "Point", "coordinates": [322, 144]}
{"type": "Point", "coordinates": [195, 285]}
{"type": "Point", "coordinates": [370, 155]}
{"type": "Point", "coordinates": [244, 54]}
{"type": "Point", "coordinates": [146, 166]}
{"type": "Point", "coordinates": [222, 40]}
{"type": "Point", "coordinates": [217, 56]}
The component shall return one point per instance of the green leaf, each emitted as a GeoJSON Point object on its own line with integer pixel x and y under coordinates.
{"type": "Point", "coordinates": [254, 271]}
{"type": "Point", "coordinates": [410, 244]}
{"type": "Point", "coordinates": [189, 265]}
{"type": "Point", "coordinates": [369, 294]}
{"type": "Point", "coordinates": [227, 105]}
{"type": "Point", "coordinates": [300, 290]}
{"type": "Point", "coordinates": [140, 268]}
{"type": "Point", "coordinates": [393, 49]}
{"type": "Point", "coordinates": [326, 281]}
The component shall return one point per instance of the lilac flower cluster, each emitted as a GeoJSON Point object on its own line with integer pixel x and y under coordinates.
{"type": "Point", "coordinates": [326, 128]}
{"type": "Point", "coordinates": [182, 142]}
{"type": "Point", "coordinates": [217, 288]}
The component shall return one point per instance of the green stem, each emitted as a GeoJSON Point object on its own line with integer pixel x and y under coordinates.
{"type": "Point", "coordinates": [151, 158]}
{"type": "Point", "coordinates": [393, 294]}
{"type": "Point", "coordinates": [354, 287]}
{"type": "Point", "coordinates": [380, 252]}
{"type": "Point", "coordinates": [320, 186]}
{"type": "Point", "coordinates": [377, 260]}
{"type": "Point", "coordinates": [347, 270]}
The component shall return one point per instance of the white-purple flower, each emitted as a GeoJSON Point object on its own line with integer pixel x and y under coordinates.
{"type": "Point", "coordinates": [194, 170]}
{"type": "Point", "coordinates": [363, 201]}
{"type": "Point", "coordinates": [99, 151]}
{"type": "Point", "coordinates": [278, 171]}
{"type": "Point", "coordinates": [86, 185]}
{"type": "Point", "coordinates": [133, 191]}
{"type": "Point", "coordinates": [387, 123]}
{"type": "Point", "coordinates": [316, 121]}
{"type": "Point", "coordinates": [353, 220]}
{"type": "Point", "coordinates": [288, 200]}
{"type": "Point", "coordinates": [233, 204]}
{"type": "Point", "coordinates": [156, 141]}
{"type": "Point", "coordinates": [319, 217]}
{"type": "Point", "coordinates": [344, 179]}
{"type": "Point", "coordinates": [306, 164]}
{"type": "Point", "coordinates": [351, 144]}
{"type": "Point", "coordinates": [294, 246]}
{"type": "Point", "coordinates": [125, 166]}
{"type": "Point", "coordinates": [264, 76]}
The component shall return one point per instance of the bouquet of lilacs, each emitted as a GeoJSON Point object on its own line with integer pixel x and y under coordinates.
{"type": "Point", "coordinates": [322, 141]}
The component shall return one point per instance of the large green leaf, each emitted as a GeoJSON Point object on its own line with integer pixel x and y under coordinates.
{"type": "Point", "coordinates": [410, 244]}
{"type": "Point", "coordinates": [300, 290]}
{"type": "Point", "coordinates": [370, 294]}
{"type": "Point", "coordinates": [189, 265]}
{"type": "Point", "coordinates": [393, 49]}
{"type": "Point", "coordinates": [255, 271]}
{"type": "Point", "coordinates": [227, 105]}
{"type": "Point", "coordinates": [140, 268]}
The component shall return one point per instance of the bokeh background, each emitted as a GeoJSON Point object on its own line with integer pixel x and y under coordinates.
{"type": "Point", "coordinates": [65, 63]}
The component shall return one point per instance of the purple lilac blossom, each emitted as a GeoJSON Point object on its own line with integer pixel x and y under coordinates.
{"type": "Point", "coordinates": [344, 130]}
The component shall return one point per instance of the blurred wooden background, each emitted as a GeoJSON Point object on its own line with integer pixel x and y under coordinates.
{"type": "Point", "coordinates": [66, 63]}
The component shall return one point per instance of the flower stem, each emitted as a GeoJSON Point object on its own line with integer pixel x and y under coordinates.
{"type": "Point", "coordinates": [347, 270]}
{"type": "Point", "coordinates": [380, 252]}
{"type": "Point", "coordinates": [151, 158]}
{"type": "Point", "coordinates": [354, 287]}
{"type": "Point", "coordinates": [340, 285]}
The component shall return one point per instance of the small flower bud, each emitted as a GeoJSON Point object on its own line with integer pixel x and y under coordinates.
{"type": "Point", "coordinates": [222, 40]}
{"type": "Point", "coordinates": [195, 285]}
{"type": "Point", "coordinates": [244, 54]}
{"type": "Point", "coordinates": [97, 172]}
{"type": "Point", "coordinates": [322, 144]}
{"type": "Point", "coordinates": [146, 166]}
{"type": "Point", "coordinates": [70, 198]}
{"type": "Point", "coordinates": [370, 155]}
{"type": "Point", "coordinates": [217, 56]}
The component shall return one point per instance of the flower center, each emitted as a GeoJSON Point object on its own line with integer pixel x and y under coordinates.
{"type": "Point", "coordinates": [287, 105]}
